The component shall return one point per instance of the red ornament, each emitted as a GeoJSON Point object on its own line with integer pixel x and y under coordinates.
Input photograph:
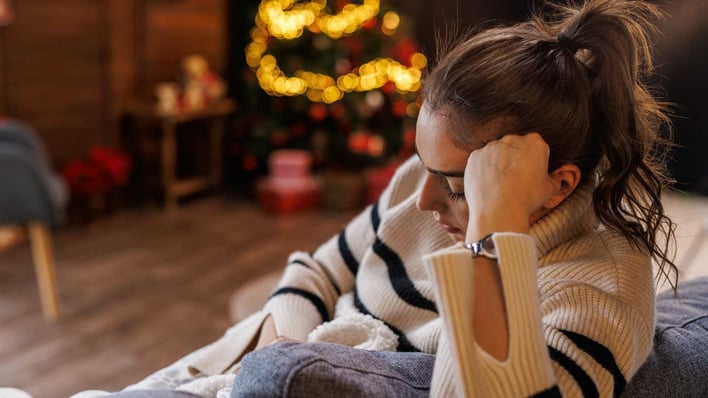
{"type": "Point", "coordinates": [318, 112]}
{"type": "Point", "coordinates": [399, 107]}
{"type": "Point", "coordinates": [404, 50]}
{"type": "Point", "coordinates": [338, 111]}
{"type": "Point", "coordinates": [359, 142]}
{"type": "Point", "coordinates": [370, 24]}
{"type": "Point", "coordinates": [388, 88]}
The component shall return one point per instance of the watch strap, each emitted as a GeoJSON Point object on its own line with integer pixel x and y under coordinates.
{"type": "Point", "coordinates": [483, 247]}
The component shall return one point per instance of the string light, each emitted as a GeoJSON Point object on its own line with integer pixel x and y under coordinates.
{"type": "Point", "coordinates": [286, 20]}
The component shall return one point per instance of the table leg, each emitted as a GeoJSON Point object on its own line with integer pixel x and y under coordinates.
{"type": "Point", "coordinates": [169, 155]}
{"type": "Point", "coordinates": [216, 138]}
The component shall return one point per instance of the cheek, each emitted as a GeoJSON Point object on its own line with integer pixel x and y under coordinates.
{"type": "Point", "coordinates": [462, 214]}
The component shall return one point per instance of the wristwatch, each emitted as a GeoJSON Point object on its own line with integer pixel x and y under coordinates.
{"type": "Point", "coordinates": [483, 247]}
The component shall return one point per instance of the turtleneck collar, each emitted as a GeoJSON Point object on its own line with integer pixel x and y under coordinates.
{"type": "Point", "coordinates": [573, 217]}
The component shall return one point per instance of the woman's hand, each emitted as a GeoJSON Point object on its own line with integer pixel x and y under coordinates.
{"type": "Point", "coordinates": [268, 334]}
{"type": "Point", "coordinates": [506, 183]}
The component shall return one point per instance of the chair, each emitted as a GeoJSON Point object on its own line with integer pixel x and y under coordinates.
{"type": "Point", "coordinates": [32, 198]}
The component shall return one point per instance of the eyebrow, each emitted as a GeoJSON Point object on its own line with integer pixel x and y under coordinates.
{"type": "Point", "coordinates": [451, 174]}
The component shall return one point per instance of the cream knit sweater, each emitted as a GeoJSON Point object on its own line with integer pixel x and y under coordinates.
{"type": "Point", "coordinates": [580, 299]}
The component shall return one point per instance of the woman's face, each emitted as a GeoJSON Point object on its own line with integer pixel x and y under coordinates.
{"type": "Point", "coordinates": [443, 188]}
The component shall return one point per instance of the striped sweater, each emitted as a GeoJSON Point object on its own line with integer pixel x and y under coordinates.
{"type": "Point", "coordinates": [580, 299]}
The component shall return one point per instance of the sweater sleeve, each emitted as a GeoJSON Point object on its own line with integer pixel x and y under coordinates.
{"type": "Point", "coordinates": [312, 282]}
{"type": "Point", "coordinates": [579, 339]}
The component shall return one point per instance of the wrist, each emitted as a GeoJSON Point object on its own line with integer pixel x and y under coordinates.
{"type": "Point", "coordinates": [482, 225]}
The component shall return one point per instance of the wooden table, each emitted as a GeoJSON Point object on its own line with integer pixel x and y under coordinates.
{"type": "Point", "coordinates": [215, 116]}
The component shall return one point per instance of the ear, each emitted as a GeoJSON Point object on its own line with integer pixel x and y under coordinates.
{"type": "Point", "coordinates": [565, 179]}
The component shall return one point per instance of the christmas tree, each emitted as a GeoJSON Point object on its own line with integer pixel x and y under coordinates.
{"type": "Point", "coordinates": [341, 78]}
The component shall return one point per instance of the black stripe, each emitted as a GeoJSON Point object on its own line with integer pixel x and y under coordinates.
{"type": "Point", "coordinates": [602, 355]}
{"type": "Point", "coordinates": [330, 278]}
{"type": "Point", "coordinates": [552, 392]}
{"type": "Point", "coordinates": [316, 301]}
{"type": "Point", "coordinates": [587, 386]}
{"type": "Point", "coordinates": [404, 345]}
{"type": "Point", "coordinates": [299, 262]}
{"type": "Point", "coordinates": [375, 218]}
{"type": "Point", "coordinates": [400, 281]}
{"type": "Point", "coordinates": [324, 270]}
{"type": "Point", "coordinates": [346, 253]}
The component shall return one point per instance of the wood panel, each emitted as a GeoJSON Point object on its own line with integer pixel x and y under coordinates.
{"type": "Point", "coordinates": [55, 76]}
{"type": "Point", "coordinates": [139, 290]}
{"type": "Point", "coordinates": [69, 67]}
{"type": "Point", "coordinates": [125, 18]}
{"type": "Point", "coordinates": [175, 29]}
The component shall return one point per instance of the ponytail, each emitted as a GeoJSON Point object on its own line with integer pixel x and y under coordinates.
{"type": "Point", "coordinates": [610, 39]}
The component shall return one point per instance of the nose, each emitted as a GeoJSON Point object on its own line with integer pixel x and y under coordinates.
{"type": "Point", "coordinates": [430, 198]}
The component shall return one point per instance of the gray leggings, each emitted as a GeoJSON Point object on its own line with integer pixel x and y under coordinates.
{"type": "Point", "coordinates": [314, 370]}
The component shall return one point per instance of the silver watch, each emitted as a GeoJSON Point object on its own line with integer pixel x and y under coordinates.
{"type": "Point", "coordinates": [483, 247]}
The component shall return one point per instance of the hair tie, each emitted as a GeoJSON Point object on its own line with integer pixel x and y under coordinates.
{"type": "Point", "coordinates": [567, 43]}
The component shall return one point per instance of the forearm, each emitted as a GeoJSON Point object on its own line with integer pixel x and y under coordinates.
{"type": "Point", "coordinates": [528, 370]}
{"type": "Point", "coordinates": [489, 313]}
{"type": "Point", "coordinates": [491, 329]}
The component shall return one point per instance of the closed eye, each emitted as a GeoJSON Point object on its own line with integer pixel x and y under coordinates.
{"type": "Point", "coordinates": [454, 196]}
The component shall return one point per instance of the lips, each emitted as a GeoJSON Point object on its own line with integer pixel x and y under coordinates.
{"type": "Point", "coordinates": [450, 229]}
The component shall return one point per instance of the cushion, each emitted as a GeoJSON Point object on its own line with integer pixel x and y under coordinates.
{"type": "Point", "coordinates": [678, 363]}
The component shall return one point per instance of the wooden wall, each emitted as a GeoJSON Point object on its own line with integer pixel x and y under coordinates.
{"type": "Point", "coordinates": [69, 67]}
{"type": "Point", "coordinates": [53, 71]}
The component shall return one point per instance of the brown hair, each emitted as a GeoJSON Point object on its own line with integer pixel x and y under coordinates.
{"type": "Point", "coordinates": [575, 75]}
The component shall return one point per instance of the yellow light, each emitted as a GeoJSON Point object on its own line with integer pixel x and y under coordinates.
{"type": "Point", "coordinates": [419, 61]}
{"type": "Point", "coordinates": [259, 35]}
{"type": "Point", "coordinates": [287, 19]}
{"type": "Point", "coordinates": [391, 20]}
{"type": "Point", "coordinates": [367, 69]}
{"type": "Point", "coordinates": [279, 85]}
{"type": "Point", "coordinates": [268, 61]}
{"type": "Point", "coordinates": [314, 95]}
{"type": "Point", "coordinates": [331, 94]}
{"type": "Point", "coordinates": [412, 110]}
{"type": "Point", "coordinates": [347, 82]}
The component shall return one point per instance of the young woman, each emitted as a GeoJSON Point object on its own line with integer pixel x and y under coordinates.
{"type": "Point", "coordinates": [516, 247]}
{"type": "Point", "coordinates": [538, 155]}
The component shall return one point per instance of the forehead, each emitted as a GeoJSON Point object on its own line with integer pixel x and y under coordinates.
{"type": "Point", "coordinates": [435, 132]}
{"type": "Point", "coordinates": [434, 142]}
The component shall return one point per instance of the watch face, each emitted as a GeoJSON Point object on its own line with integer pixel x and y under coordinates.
{"type": "Point", "coordinates": [483, 247]}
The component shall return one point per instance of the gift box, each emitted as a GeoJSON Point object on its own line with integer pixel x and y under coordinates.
{"type": "Point", "coordinates": [289, 188]}
{"type": "Point", "coordinates": [288, 195]}
{"type": "Point", "coordinates": [290, 163]}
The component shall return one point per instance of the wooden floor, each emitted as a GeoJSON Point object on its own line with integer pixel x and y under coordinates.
{"type": "Point", "coordinates": [139, 289]}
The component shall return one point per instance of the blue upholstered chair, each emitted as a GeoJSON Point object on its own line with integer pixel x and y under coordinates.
{"type": "Point", "coordinates": [32, 198]}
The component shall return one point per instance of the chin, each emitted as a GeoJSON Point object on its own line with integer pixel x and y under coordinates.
{"type": "Point", "coordinates": [457, 237]}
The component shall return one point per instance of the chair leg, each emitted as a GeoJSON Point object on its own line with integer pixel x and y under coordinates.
{"type": "Point", "coordinates": [43, 255]}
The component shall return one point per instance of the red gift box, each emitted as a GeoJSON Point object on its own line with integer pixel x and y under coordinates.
{"type": "Point", "coordinates": [285, 196]}
{"type": "Point", "coordinates": [290, 163]}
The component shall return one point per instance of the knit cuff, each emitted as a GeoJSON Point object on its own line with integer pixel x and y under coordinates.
{"type": "Point", "coordinates": [294, 316]}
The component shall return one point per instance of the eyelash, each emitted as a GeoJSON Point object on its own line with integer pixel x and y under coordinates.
{"type": "Point", "coordinates": [454, 196]}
